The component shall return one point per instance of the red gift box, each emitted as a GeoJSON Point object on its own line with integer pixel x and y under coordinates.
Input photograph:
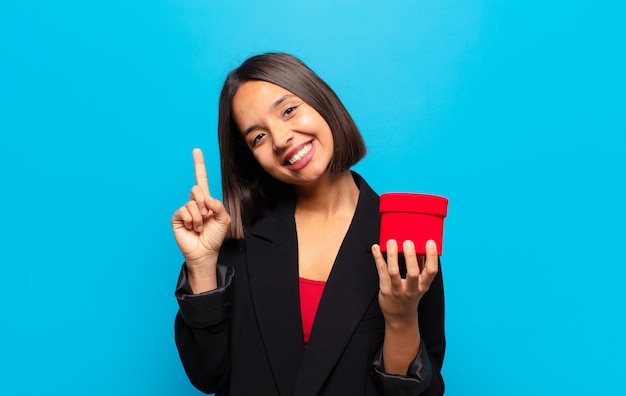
{"type": "Point", "coordinates": [411, 216]}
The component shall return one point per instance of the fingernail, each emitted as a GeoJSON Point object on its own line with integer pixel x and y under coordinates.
{"type": "Point", "coordinates": [408, 244]}
{"type": "Point", "coordinates": [431, 244]}
{"type": "Point", "coordinates": [204, 211]}
{"type": "Point", "coordinates": [199, 228]}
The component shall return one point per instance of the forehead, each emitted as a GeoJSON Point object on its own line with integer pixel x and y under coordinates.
{"type": "Point", "coordinates": [254, 100]}
{"type": "Point", "coordinates": [255, 94]}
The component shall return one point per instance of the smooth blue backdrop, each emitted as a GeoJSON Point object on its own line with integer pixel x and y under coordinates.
{"type": "Point", "coordinates": [515, 110]}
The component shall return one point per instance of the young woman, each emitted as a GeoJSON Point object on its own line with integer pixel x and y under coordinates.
{"type": "Point", "coordinates": [284, 290]}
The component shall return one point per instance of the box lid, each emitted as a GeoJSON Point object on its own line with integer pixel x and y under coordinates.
{"type": "Point", "coordinates": [414, 203]}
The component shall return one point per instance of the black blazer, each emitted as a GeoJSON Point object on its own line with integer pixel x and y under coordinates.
{"type": "Point", "coordinates": [246, 338]}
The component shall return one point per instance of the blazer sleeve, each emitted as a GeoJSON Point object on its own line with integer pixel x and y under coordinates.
{"type": "Point", "coordinates": [424, 373]}
{"type": "Point", "coordinates": [202, 330]}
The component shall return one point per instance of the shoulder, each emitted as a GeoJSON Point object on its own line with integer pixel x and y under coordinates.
{"type": "Point", "coordinates": [364, 187]}
{"type": "Point", "coordinates": [368, 198]}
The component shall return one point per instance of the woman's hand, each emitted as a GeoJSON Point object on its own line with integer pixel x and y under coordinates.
{"type": "Point", "coordinates": [398, 297]}
{"type": "Point", "coordinates": [200, 227]}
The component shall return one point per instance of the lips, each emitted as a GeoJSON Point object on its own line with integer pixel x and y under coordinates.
{"type": "Point", "coordinates": [293, 157]}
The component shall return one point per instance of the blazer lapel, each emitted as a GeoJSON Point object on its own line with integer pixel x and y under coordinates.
{"type": "Point", "coordinates": [351, 288]}
{"type": "Point", "coordinates": [273, 273]}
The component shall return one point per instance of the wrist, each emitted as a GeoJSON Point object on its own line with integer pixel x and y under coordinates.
{"type": "Point", "coordinates": [202, 276]}
{"type": "Point", "coordinates": [406, 323]}
{"type": "Point", "coordinates": [200, 263]}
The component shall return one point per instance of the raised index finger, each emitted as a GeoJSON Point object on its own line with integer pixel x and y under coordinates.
{"type": "Point", "coordinates": [201, 176]}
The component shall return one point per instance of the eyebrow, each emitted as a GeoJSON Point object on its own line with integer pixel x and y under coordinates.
{"type": "Point", "coordinates": [281, 100]}
{"type": "Point", "coordinates": [274, 105]}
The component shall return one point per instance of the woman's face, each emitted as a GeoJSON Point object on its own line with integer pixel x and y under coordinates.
{"type": "Point", "coordinates": [288, 138]}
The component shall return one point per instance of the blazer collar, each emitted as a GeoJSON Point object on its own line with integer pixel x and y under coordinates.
{"type": "Point", "coordinates": [271, 227]}
{"type": "Point", "coordinates": [272, 251]}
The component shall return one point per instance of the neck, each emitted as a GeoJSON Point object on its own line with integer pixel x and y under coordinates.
{"type": "Point", "coordinates": [330, 195]}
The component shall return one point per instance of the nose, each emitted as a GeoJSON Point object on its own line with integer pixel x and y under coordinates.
{"type": "Point", "coordinates": [282, 137]}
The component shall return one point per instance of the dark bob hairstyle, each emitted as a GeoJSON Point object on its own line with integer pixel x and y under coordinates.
{"type": "Point", "coordinates": [249, 190]}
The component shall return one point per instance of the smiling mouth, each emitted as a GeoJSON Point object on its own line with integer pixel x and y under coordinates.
{"type": "Point", "coordinates": [298, 156]}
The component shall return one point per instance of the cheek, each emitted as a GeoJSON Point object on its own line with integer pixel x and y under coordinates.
{"type": "Point", "coordinates": [265, 158]}
{"type": "Point", "coordinates": [314, 122]}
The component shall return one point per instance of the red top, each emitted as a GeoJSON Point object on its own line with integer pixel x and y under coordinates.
{"type": "Point", "coordinates": [310, 296]}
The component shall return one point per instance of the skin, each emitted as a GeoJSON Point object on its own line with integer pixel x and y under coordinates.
{"type": "Point", "coordinates": [200, 227]}
{"type": "Point", "coordinates": [399, 298]}
{"type": "Point", "coordinates": [276, 125]}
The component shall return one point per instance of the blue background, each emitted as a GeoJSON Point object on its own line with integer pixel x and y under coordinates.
{"type": "Point", "coordinates": [515, 110]}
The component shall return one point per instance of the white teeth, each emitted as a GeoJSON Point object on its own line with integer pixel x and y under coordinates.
{"type": "Point", "coordinates": [300, 154]}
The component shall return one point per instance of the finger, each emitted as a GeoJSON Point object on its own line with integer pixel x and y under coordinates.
{"type": "Point", "coordinates": [379, 259]}
{"type": "Point", "coordinates": [199, 196]}
{"type": "Point", "coordinates": [392, 262]}
{"type": "Point", "coordinates": [200, 168]}
{"type": "Point", "coordinates": [411, 259]}
{"type": "Point", "coordinates": [431, 267]}
{"type": "Point", "coordinates": [196, 218]}
{"type": "Point", "coordinates": [381, 267]}
{"type": "Point", "coordinates": [218, 210]}
{"type": "Point", "coordinates": [182, 215]}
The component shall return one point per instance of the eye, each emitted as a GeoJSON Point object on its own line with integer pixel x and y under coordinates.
{"type": "Point", "coordinates": [257, 138]}
{"type": "Point", "coordinates": [289, 111]}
